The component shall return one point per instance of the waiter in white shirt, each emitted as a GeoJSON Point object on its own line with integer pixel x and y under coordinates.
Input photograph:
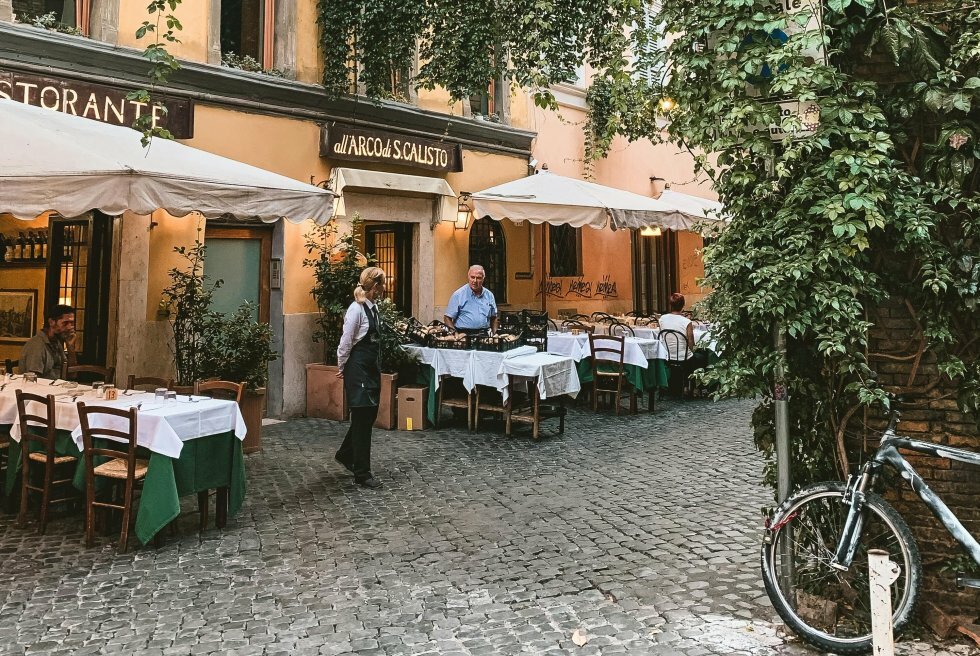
{"type": "Point", "coordinates": [359, 361]}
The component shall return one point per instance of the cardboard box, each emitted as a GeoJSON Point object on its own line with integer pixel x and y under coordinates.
{"type": "Point", "coordinates": [412, 406]}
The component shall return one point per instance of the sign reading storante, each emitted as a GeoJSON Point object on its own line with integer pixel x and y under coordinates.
{"type": "Point", "coordinates": [338, 141]}
{"type": "Point", "coordinates": [95, 101]}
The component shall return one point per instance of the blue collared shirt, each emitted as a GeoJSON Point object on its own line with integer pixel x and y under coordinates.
{"type": "Point", "coordinates": [467, 310]}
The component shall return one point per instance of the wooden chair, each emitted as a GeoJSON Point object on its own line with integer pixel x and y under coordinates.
{"type": "Point", "coordinates": [609, 377]}
{"type": "Point", "coordinates": [456, 400]}
{"type": "Point", "coordinates": [678, 360]}
{"type": "Point", "coordinates": [229, 391]}
{"type": "Point", "coordinates": [87, 373]}
{"type": "Point", "coordinates": [152, 382]}
{"type": "Point", "coordinates": [118, 447]}
{"type": "Point", "coordinates": [40, 429]}
{"type": "Point", "coordinates": [618, 329]}
{"type": "Point", "coordinates": [569, 324]}
{"type": "Point", "coordinates": [552, 325]}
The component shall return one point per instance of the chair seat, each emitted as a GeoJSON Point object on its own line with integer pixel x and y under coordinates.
{"type": "Point", "coordinates": [37, 456]}
{"type": "Point", "coordinates": [116, 468]}
{"type": "Point", "coordinates": [610, 374]}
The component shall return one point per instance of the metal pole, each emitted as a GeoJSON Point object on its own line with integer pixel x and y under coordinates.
{"type": "Point", "coordinates": [781, 404]}
{"type": "Point", "coordinates": [883, 572]}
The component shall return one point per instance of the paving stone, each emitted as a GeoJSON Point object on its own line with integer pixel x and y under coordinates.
{"type": "Point", "coordinates": [643, 531]}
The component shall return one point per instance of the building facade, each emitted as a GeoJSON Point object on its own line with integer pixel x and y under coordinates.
{"type": "Point", "coordinates": [399, 166]}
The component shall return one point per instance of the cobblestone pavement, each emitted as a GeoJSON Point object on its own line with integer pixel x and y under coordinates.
{"type": "Point", "coordinates": [641, 531]}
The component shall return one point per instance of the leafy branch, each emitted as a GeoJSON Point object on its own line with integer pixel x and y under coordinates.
{"type": "Point", "coordinates": [162, 66]}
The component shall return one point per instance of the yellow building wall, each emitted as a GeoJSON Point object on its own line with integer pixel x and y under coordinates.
{"type": "Point", "coordinates": [22, 277]}
{"type": "Point", "coordinates": [193, 16]}
{"type": "Point", "coordinates": [309, 57]}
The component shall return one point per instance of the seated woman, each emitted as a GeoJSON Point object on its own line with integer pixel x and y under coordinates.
{"type": "Point", "coordinates": [675, 320]}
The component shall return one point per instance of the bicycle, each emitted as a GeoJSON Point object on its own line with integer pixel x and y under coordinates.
{"type": "Point", "coordinates": [814, 553]}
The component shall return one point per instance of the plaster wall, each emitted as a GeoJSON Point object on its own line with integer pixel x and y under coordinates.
{"type": "Point", "coordinates": [194, 16]}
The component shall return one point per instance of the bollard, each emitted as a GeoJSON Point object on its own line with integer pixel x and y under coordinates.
{"type": "Point", "coordinates": [882, 573]}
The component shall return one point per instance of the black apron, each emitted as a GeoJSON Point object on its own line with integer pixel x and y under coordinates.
{"type": "Point", "coordinates": [362, 373]}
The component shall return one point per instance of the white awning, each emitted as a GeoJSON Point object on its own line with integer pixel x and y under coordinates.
{"type": "Point", "coordinates": [398, 183]}
{"type": "Point", "coordinates": [559, 200]}
{"type": "Point", "coordinates": [695, 207]}
{"type": "Point", "coordinates": [58, 162]}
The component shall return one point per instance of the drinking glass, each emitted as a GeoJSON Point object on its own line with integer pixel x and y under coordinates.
{"type": "Point", "coordinates": [98, 386]}
{"type": "Point", "coordinates": [3, 373]}
{"type": "Point", "coordinates": [171, 396]}
{"type": "Point", "coordinates": [160, 394]}
{"type": "Point", "coordinates": [30, 377]}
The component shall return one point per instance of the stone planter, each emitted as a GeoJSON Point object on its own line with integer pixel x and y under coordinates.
{"type": "Point", "coordinates": [387, 406]}
{"type": "Point", "coordinates": [253, 409]}
{"type": "Point", "coordinates": [325, 392]}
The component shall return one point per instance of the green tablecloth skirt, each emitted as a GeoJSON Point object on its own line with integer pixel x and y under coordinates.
{"type": "Point", "coordinates": [655, 375]}
{"type": "Point", "coordinates": [427, 376]}
{"type": "Point", "coordinates": [205, 463]}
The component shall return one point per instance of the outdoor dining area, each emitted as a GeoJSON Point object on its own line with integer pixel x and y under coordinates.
{"type": "Point", "coordinates": [535, 365]}
{"type": "Point", "coordinates": [95, 447]}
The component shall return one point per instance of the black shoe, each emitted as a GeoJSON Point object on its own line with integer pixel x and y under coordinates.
{"type": "Point", "coordinates": [347, 466]}
{"type": "Point", "coordinates": [371, 482]}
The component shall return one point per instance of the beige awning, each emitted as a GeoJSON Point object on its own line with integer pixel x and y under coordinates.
{"type": "Point", "coordinates": [397, 183]}
{"type": "Point", "coordinates": [58, 162]}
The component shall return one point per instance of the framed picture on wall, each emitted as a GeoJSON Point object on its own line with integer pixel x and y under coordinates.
{"type": "Point", "coordinates": [18, 315]}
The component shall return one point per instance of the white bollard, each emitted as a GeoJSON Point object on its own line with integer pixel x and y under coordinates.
{"type": "Point", "coordinates": [883, 572]}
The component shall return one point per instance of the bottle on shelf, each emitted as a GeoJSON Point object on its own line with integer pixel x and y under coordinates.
{"type": "Point", "coordinates": [11, 254]}
{"type": "Point", "coordinates": [21, 250]}
{"type": "Point", "coordinates": [43, 239]}
{"type": "Point", "coordinates": [31, 247]}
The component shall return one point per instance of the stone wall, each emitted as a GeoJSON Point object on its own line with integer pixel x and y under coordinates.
{"type": "Point", "coordinates": [893, 351]}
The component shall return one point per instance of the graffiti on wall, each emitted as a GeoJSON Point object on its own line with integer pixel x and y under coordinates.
{"type": "Point", "coordinates": [578, 288]}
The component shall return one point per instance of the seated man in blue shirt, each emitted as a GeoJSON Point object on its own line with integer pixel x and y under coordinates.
{"type": "Point", "coordinates": [472, 308]}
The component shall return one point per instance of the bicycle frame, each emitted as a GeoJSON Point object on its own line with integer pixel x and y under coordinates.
{"type": "Point", "coordinates": [888, 455]}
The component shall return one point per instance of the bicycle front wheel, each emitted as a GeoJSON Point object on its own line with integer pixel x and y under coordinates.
{"type": "Point", "coordinates": [827, 607]}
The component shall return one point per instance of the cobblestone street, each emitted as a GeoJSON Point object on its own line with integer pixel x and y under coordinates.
{"type": "Point", "coordinates": [641, 531]}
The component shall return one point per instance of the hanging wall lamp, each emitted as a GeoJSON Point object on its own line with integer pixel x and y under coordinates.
{"type": "Point", "coordinates": [651, 231]}
{"type": "Point", "coordinates": [463, 213]}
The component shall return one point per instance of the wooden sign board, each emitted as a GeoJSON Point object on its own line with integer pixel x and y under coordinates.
{"type": "Point", "coordinates": [96, 101]}
{"type": "Point", "coordinates": [345, 142]}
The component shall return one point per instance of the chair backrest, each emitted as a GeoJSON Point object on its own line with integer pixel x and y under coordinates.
{"type": "Point", "coordinates": [600, 316]}
{"type": "Point", "coordinates": [151, 382]}
{"type": "Point", "coordinates": [101, 441]}
{"type": "Point", "coordinates": [607, 344]}
{"type": "Point", "coordinates": [46, 422]}
{"type": "Point", "coordinates": [678, 349]}
{"type": "Point", "coordinates": [552, 325]}
{"type": "Point", "coordinates": [578, 317]}
{"type": "Point", "coordinates": [11, 365]}
{"type": "Point", "coordinates": [569, 324]}
{"type": "Point", "coordinates": [621, 329]}
{"type": "Point", "coordinates": [87, 373]}
{"type": "Point", "coordinates": [220, 389]}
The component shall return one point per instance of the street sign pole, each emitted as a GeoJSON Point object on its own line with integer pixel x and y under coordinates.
{"type": "Point", "coordinates": [780, 396]}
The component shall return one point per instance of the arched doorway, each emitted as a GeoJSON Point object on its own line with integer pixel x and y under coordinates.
{"type": "Point", "coordinates": [488, 249]}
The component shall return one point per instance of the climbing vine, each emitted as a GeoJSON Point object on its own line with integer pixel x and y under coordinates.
{"type": "Point", "coordinates": [845, 157]}
{"type": "Point", "coordinates": [162, 65]}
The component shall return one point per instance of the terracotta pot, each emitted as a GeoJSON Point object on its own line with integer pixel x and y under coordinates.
{"type": "Point", "coordinates": [325, 392]}
{"type": "Point", "coordinates": [253, 409]}
{"type": "Point", "coordinates": [387, 406]}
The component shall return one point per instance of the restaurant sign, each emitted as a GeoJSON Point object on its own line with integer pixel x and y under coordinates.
{"type": "Point", "coordinates": [339, 141]}
{"type": "Point", "coordinates": [96, 101]}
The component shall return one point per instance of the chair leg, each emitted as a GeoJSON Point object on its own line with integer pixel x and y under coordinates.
{"type": "Point", "coordinates": [127, 511]}
{"type": "Point", "coordinates": [476, 408]}
{"type": "Point", "coordinates": [89, 515]}
{"type": "Point", "coordinates": [595, 396]}
{"type": "Point", "coordinates": [45, 497]}
{"type": "Point", "coordinates": [202, 507]}
{"type": "Point", "coordinates": [25, 474]}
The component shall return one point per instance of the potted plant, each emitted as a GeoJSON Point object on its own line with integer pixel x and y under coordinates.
{"type": "Point", "coordinates": [240, 351]}
{"type": "Point", "coordinates": [396, 362]}
{"type": "Point", "coordinates": [187, 302]}
{"type": "Point", "coordinates": [337, 261]}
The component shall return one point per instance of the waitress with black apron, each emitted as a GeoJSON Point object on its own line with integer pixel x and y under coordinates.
{"type": "Point", "coordinates": [358, 357]}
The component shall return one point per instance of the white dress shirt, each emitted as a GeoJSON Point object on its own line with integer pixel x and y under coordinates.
{"type": "Point", "coordinates": [356, 326]}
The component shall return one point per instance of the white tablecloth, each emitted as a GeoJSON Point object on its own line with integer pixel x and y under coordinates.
{"type": "Point", "coordinates": [473, 367]}
{"type": "Point", "coordinates": [161, 427]}
{"type": "Point", "coordinates": [556, 374]}
{"type": "Point", "coordinates": [638, 350]}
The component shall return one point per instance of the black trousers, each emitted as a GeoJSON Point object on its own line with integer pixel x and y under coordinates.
{"type": "Point", "coordinates": [356, 449]}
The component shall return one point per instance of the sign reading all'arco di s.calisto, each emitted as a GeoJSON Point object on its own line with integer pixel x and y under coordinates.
{"type": "Point", "coordinates": [345, 142]}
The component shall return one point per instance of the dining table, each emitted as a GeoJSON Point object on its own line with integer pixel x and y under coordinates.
{"type": "Point", "coordinates": [192, 443]}
{"type": "Point", "coordinates": [644, 359]}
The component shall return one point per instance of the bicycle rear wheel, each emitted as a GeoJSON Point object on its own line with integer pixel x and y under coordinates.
{"type": "Point", "coordinates": [826, 607]}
